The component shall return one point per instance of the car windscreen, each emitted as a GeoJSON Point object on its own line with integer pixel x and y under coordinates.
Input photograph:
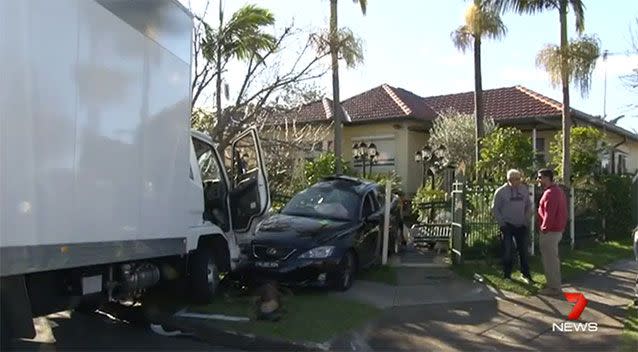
{"type": "Point", "coordinates": [325, 201]}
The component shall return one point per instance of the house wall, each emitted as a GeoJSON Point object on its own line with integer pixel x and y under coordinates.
{"type": "Point", "coordinates": [630, 147]}
{"type": "Point", "coordinates": [390, 143]}
{"type": "Point", "coordinates": [416, 141]}
{"type": "Point", "coordinates": [404, 144]}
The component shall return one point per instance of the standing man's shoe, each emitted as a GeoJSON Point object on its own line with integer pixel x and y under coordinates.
{"type": "Point", "coordinates": [528, 280]}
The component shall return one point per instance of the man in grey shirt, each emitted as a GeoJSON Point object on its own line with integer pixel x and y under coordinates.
{"type": "Point", "coordinates": [512, 208]}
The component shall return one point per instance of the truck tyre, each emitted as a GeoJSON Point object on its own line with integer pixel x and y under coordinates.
{"type": "Point", "coordinates": [6, 335]}
{"type": "Point", "coordinates": [204, 276]}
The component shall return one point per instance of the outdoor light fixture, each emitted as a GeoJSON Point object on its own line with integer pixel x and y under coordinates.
{"type": "Point", "coordinates": [431, 160]}
{"type": "Point", "coordinates": [367, 154]}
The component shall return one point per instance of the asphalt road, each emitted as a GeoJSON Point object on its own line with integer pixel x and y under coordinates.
{"type": "Point", "coordinates": [76, 331]}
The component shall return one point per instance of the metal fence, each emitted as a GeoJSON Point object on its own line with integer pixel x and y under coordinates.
{"type": "Point", "coordinates": [481, 231]}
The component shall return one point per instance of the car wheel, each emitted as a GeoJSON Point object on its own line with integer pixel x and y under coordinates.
{"type": "Point", "coordinates": [347, 269]}
{"type": "Point", "coordinates": [204, 276]}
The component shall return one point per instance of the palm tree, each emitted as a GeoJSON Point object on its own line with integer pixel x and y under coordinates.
{"type": "Point", "coordinates": [241, 38]}
{"type": "Point", "coordinates": [334, 55]}
{"type": "Point", "coordinates": [481, 21]}
{"type": "Point", "coordinates": [564, 63]}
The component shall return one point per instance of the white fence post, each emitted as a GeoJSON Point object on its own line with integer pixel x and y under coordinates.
{"type": "Point", "coordinates": [533, 227]}
{"type": "Point", "coordinates": [572, 220]}
{"type": "Point", "coordinates": [386, 222]}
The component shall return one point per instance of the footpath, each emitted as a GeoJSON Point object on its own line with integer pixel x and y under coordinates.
{"type": "Point", "coordinates": [433, 309]}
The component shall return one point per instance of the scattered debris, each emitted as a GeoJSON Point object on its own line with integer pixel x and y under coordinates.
{"type": "Point", "coordinates": [159, 329]}
{"type": "Point", "coordinates": [268, 303]}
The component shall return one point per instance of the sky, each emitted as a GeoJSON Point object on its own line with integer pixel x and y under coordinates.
{"type": "Point", "coordinates": [407, 44]}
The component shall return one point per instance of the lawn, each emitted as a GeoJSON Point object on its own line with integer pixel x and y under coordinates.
{"type": "Point", "coordinates": [630, 332]}
{"type": "Point", "coordinates": [309, 315]}
{"type": "Point", "coordinates": [574, 263]}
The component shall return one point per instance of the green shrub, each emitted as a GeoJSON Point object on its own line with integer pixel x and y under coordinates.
{"type": "Point", "coordinates": [382, 179]}
{"type": "Point", "coordinates": [424, 196]}
{"type": "Point", "coordinates": [586, 146]}
{"type": "Point", "coordinates": [323, 166]}
{"type": "Point", "coordinates": [612, 195]}
{"type": "Point", "coordinates": [504, 149]}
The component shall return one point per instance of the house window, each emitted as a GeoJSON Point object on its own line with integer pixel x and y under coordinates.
{"type": "Point", "coordinates": [621, 164]}
{"type": "Point", "coordinates": [541, 158]}
{"type": "Point", "coordinates": [385, 148]}
{"type": "Point", "coordinates": [605, 161]}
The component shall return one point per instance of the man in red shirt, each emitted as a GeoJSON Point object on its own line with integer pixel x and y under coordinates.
{"type": "Point", "coordinates": [552, 213]}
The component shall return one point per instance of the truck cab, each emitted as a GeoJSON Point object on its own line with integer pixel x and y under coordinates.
{"type": "Point", "coordinates": [234, 186]}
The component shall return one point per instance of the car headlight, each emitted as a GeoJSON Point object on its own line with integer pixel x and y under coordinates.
{"type": "Point", "coordinates": [318, 252]}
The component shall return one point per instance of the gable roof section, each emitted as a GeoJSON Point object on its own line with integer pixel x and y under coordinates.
{"type": "Point", "coordinates": [380, 103]}
{"type": "Point", "coordinates": [502, 103]}
{"type": "Point", "coordinates": [386, 102]}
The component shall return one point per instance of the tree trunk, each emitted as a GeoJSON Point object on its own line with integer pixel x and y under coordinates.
{"type": "Point", "coordinates": [336, 104]}
{"type": "Point", "coordinates": [567, 121]}
{"type": "Point", "coordinates": [221, 124]}
{"type": "Point", "coordinates": [478, 103]}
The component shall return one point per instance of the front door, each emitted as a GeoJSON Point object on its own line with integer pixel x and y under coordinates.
{"type": "Point", "coordinates": [372, 222]}
{"type": "Point", "coordinates": [249, 194]}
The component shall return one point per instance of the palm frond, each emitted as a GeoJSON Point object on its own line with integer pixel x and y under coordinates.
{"type": "Point", "coordinates": [578, 6]}
{"type": "Point", "coordinates": [549, 59]}
{"type": "Point", "coordinates": [242, 36]}
{"type": "Point", "coordinates": [523, 6]}
{"type": "Point", "coordinates": [582, 54]}
{"type": "Point", "coordinates": [483, 20]}
{"type": "Point", "coordinates": [350, 48]}
{"type": "Point", "coordinates": [363, 4]}
{"type": "Point", "coordinates": [462, 38]}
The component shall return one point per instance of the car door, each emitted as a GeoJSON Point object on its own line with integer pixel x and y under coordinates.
{"type": "Point", "coordinates": [371, 229]}
{"type": "Point", "coordinates": [249, 191]}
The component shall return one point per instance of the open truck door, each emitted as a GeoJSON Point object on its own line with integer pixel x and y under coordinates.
{"type": "Point", "coordinates": [249, 191]}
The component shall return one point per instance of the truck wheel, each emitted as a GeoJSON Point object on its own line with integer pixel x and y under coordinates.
{"type": "Point", "coordinates": [6, 335]}
{"type": "Point", "coordinates": [204, 276]}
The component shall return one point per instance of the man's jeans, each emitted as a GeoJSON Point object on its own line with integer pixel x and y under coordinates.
{"type": "Point", "coordinates": [509, 234]}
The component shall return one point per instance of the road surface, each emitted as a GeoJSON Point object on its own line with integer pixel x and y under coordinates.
{"type": "Point", "coordinates": [70, 330]}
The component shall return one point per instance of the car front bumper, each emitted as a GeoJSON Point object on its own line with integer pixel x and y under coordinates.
{"type": "Point", "coordinates": [296, 272]}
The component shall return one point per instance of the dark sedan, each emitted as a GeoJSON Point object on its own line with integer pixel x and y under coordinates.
{"type": "Point", "coordinates": [324, 235]}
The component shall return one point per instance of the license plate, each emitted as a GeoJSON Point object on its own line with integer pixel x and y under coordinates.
{"type": "Point", "coordinates": [267, 264]}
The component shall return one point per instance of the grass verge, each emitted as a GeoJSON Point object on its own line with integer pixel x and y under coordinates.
{"type": "Point", "coordinates": [573, 263]}
{"type": "Point", "coordinates": [630, 332]}
{"type": "Point", "coordinates": [309, 316]}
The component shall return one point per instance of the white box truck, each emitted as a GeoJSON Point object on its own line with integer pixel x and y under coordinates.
{"type": "Point", "coordinates": [104, 188]}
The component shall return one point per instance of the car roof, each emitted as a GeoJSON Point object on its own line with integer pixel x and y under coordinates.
{"type": "Point", "coordinates": [358, 185]}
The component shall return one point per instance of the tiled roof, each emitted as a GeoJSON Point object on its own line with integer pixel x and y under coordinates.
{"type": "Point", "coordinates": [501, 103]}
{"type": "Point", "coordinates": [386, 102]}
{"type": "Point", "coordinates": [382, 102]}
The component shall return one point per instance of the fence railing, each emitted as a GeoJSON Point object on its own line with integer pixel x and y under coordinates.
{"type": "Point", "coordinates": [481, 234]}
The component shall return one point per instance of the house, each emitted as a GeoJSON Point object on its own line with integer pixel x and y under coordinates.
{"type": "Point", "coordinates": [397, 120]}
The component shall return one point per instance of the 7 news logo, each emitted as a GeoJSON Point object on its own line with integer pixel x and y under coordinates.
{"type": "Point", "coordinates": [579, 306]}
